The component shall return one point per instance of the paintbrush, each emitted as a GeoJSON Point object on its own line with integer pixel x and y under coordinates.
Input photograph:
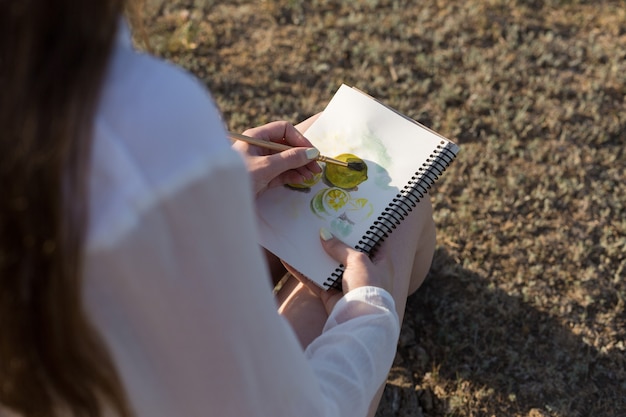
{"type": "Point", "coordinates": [356, 165]}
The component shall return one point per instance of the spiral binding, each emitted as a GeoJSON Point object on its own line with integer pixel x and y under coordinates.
{"type": "Point", "coordinates": [404, 202]}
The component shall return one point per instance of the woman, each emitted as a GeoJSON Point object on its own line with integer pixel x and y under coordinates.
{"type": "Point", "coordinates": [130, 280]}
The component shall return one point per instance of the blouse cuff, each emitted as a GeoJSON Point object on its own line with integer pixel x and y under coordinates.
{"type": "Point", "coordinates": [363, 301]}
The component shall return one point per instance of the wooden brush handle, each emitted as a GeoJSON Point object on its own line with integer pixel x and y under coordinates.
{"type": "Point", "coordinates": [259, 142]}
{"type": "Point", "coordinates": [279, 147]}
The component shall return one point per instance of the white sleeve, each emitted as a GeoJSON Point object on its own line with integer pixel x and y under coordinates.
{"type": "Point", "coordinates": [178, 287]}
{"type": "Point", "coordinates": [185, 304]}
{"type": "Point", "coordinates": [355, 351]}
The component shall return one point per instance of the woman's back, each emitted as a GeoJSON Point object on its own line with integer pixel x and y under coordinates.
{"type": "Point", "coordinates": [174, 282]}
{"type": "Point", "coordinates": [168, 200]}
{"type": "Point", "coordinates": [174, 278]}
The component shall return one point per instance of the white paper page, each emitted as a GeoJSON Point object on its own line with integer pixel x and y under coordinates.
{"type": "Point", "coordinates": [393, 147]}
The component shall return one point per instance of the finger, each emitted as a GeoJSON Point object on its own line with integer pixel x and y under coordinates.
{"type": "Point", "coordinates": [309, 170]}
{"type": "Point", "coordinates": [289, 177]}
{"type": "Point", "coordinates": [314, 167]}
{"type": "Point", "coordinates": [291, 159]}
{"type": "Point", "coordinates": [338, 250]}
{"type": "Point", "coordinates": [295, 138]}
{"type": "Point", "coordinates": [279, 131]}
{"type": "Point", "coordinates": [282, 131]}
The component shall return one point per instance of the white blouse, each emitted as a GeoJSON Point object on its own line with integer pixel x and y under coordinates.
{"type": "Point", "coordinates": [176, 283]}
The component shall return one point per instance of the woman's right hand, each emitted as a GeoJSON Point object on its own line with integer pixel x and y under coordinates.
{"type": "Point", "coordinates": [273, 169]}
{"type": "Point", "coordinates": [360, 270]}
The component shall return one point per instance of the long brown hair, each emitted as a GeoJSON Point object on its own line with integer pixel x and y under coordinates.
{"type": "Point", "coordinates": [53, 56]}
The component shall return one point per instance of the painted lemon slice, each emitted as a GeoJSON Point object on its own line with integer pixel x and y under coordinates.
{"type": "Point", "coordinates": [344, 177]}
{"type": "Point", "coordinates": [359, 209]}
{"type": "Point", "coordinates": [329, 202]}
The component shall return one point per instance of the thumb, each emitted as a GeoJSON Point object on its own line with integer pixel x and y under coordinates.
{"type": "Point", "coordinates": [338, 250]}
{"type": "Point", "coordinates": [358, 267]}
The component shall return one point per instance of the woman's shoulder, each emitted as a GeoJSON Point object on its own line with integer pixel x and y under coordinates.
{"type": "Point", "coordinates": [145, 90]}
{"type": "Point", "coordinates": [161, 115]}
{"type": "Point", "coordinates": [156, 130]}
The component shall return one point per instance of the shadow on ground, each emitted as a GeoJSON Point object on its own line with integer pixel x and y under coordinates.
{"type": "Point", "coordinates": [462, 333]}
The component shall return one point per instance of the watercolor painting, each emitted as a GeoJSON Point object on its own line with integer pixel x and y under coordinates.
{"type": "Point", "coordinates": [355, 206]}
{"type": "Point", "coordinates": [340, 196]}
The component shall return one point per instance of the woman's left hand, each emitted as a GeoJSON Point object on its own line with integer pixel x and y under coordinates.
{"type": "Point", "coordinates": [270, 169]}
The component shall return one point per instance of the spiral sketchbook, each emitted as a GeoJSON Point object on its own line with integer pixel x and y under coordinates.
{"type": "Point", "coordinates": [401, 161]}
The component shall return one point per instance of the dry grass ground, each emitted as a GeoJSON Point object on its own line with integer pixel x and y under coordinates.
{"type": "Point", "coordinates": [524, 310]}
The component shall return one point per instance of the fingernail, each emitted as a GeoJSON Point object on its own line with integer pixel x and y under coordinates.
{"type": "Point", "coordinates": [312, 153]}
{"type": "Point", "coordinates": [325, 234]}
